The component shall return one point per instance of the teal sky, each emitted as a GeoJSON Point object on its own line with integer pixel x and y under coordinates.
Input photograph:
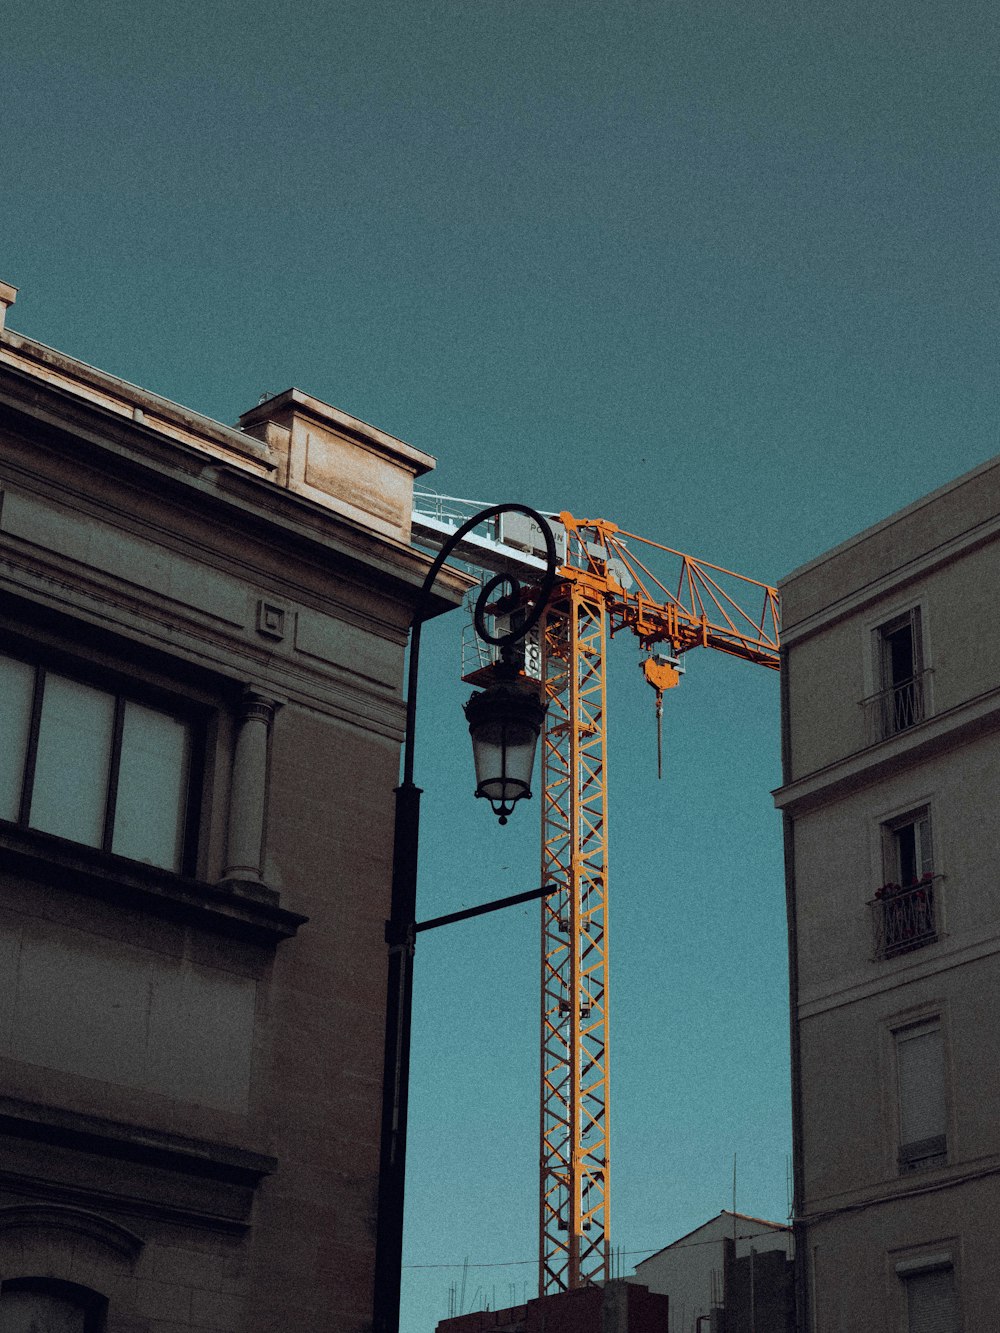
{"type": "Point", "coordinates": [724, 273]}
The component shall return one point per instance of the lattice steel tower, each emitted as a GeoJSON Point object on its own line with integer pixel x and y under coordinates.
{"type": "Point", "coordinates": [604, 587]}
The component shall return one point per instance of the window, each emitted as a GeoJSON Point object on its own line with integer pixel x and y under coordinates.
{"type": "Point", "coordinates": [921, 1093]}
{"type": "Point", "coordinates": [899, 641]}
{"type": "Point", "coordinates": [931, 1300]}
{"type": "Point", "coordinates": [904, 908]}
{"type": "Point", "coordinates": [909, 854]}
{"type": "Point", "coordinates": [899, 702]}
{"type": "Point", "coordinates": [45, 1305]}
{"type": "Point", "coordinates": [99, 768]}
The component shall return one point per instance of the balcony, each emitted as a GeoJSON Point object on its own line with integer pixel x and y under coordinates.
{"type": "Point", "coordinates": [903, 919]}
{"type": "Point", "coordinates": [895, 709]}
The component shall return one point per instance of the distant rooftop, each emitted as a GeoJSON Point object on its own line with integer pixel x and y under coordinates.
{"type": "Point", "coordinates": [712, 1221]}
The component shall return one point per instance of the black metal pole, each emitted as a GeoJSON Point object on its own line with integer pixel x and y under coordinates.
{"type": "Point", "coordinates": [514, 900]}
{"type": "Point", "coordinates": [400, 936]}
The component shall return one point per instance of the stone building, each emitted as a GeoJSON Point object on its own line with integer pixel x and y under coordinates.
{"type": "Point", "coordinates": [202, 634]}
{"type": "Point", "coordinates": [619, 1306]}
{"type": "Point", "coordinates": [891, 709]}
{"type": "Point", "coordinates": [727, 1274]}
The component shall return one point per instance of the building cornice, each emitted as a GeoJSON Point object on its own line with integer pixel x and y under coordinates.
{"type": "Point", "coordinates": [86, 383]}
{"type": "Point", "coordinates": [240, 913]}
{"type": "Point", "coordinates": [859, 538]}
{"type": "Point", "coordinates": [932, 1181]}
{"type": "Point", "coordinates": [946, 954]}
{"type": "Point", "coordinates": [243, 497]}
{"type": "Point", "coordinates": [876, 591]}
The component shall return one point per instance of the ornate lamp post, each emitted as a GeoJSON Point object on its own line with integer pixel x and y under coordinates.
{"type": "Point", "coordinates": [504, 722]}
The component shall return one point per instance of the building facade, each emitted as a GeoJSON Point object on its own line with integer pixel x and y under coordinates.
{"type": "Point", "coordinates": [718, 1279]}
{"type": "Point", "coordinates": [202, 634]}
{"type": "Point", "coordinates": [891, 709]}
{"type": "Point", "coordinates": [617, 1306]}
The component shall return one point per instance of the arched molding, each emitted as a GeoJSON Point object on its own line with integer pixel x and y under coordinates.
{"type": "Point", "coordinates": [79, 1221]}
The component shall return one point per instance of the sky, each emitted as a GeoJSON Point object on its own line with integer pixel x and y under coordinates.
{"type": "Point", "coordinates": [722, 273]}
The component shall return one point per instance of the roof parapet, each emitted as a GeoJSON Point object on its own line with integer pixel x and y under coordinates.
{"type": "Point", "coordinates": [293, 440]}
{"type": "Point", "coordinates": [339, 461]}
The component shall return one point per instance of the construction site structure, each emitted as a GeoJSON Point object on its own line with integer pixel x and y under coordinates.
{"type": "Point", "coordinates": [609, 581]}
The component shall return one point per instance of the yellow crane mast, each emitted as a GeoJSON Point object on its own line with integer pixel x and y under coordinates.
{"type": "Point", "coordinates": [604, 586]}
{"type": "Point", "coordinates": [609, 580]}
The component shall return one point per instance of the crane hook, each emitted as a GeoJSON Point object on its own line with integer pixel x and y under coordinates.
{"type": "Point", "coordinates": [661, 673]}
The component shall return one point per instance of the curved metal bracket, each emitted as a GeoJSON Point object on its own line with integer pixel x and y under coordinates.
{"type": "Point", "coordinates": [420, 615]}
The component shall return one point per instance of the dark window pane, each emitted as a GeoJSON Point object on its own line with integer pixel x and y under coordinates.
{"type": "Point", "coordinates": [38, 1312]}
{"type": "Point", "coordinates": [17, 684]}
{"type": "Point", "coordinates": [152, 787]}
{"type": "Point", "coordinates": [906, 846]}
{"type": "Point", "coordinates": [899, 649]}
{"type": "Point", "coordinates": [71, 768]}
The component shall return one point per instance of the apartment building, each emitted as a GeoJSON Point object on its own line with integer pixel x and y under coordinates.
{"type": "Point", "coordinates": [891, 740]}
{"type": "Point", "coordinates": [730, 1273]}
{"type": "Point", "coordinates": [617, 1306]}
{"type": "Point", "coordinates": [202, 633]}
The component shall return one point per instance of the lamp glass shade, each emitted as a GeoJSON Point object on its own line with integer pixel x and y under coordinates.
{"type": "Point", "coordinates": [504, 722]}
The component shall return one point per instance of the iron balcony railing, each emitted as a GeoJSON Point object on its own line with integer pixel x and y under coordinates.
{"type": "Point", "coordinates": [895, 709]}
{"type": "Point", "coordinates": [903, 918]}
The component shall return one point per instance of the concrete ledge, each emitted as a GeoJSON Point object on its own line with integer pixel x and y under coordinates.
{"type": "Point", "coordinates": [937, 733]}
{"type": "Point", "coordinates": [50, 1155]}
{"type": "Point", "coordinates": [133, 1143]}
{"type": "Point", "coordinates": [62, 372]}
{"type": "Point", "coordinates": [85, 870]}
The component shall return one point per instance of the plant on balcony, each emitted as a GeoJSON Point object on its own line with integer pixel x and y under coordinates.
{"type": "Point", "coordinates": [904, 916]}
{"type": "Point", "coordinates": [890, 890]}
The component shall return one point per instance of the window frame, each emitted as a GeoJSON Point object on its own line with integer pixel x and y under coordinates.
{"type": "Point", "coordinates": [908, 1267]}
{"type": "Point", "coordinates": [912, 620]}
{"type": "Point", "coordinates": [877, 688]}
{"type": "Point", "coordinates": [935, 1151]}
{"type": "Point", "coordinates": [907, 916]}
{"type": "Point", "coordinates": [919, 818]}
{"type": "Point", "coordinates": [122, 688]}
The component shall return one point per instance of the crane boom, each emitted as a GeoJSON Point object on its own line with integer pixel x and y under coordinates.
{"type": "Point", "coordinates": [704, 605]}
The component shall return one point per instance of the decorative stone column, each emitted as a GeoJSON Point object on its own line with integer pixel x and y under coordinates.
{"type": "Point", "coordinates": [245, 847]}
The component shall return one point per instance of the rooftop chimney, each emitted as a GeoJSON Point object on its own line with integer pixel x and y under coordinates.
{"type": "Point", "coordinates": [339, 461]}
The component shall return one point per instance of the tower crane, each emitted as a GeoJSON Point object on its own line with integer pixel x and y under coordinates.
{"type": "Point", "coordinates": [609, 581]}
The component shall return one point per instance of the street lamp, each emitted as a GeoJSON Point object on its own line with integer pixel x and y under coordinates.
{"type": "Point", "coordinates": [504, 722]}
